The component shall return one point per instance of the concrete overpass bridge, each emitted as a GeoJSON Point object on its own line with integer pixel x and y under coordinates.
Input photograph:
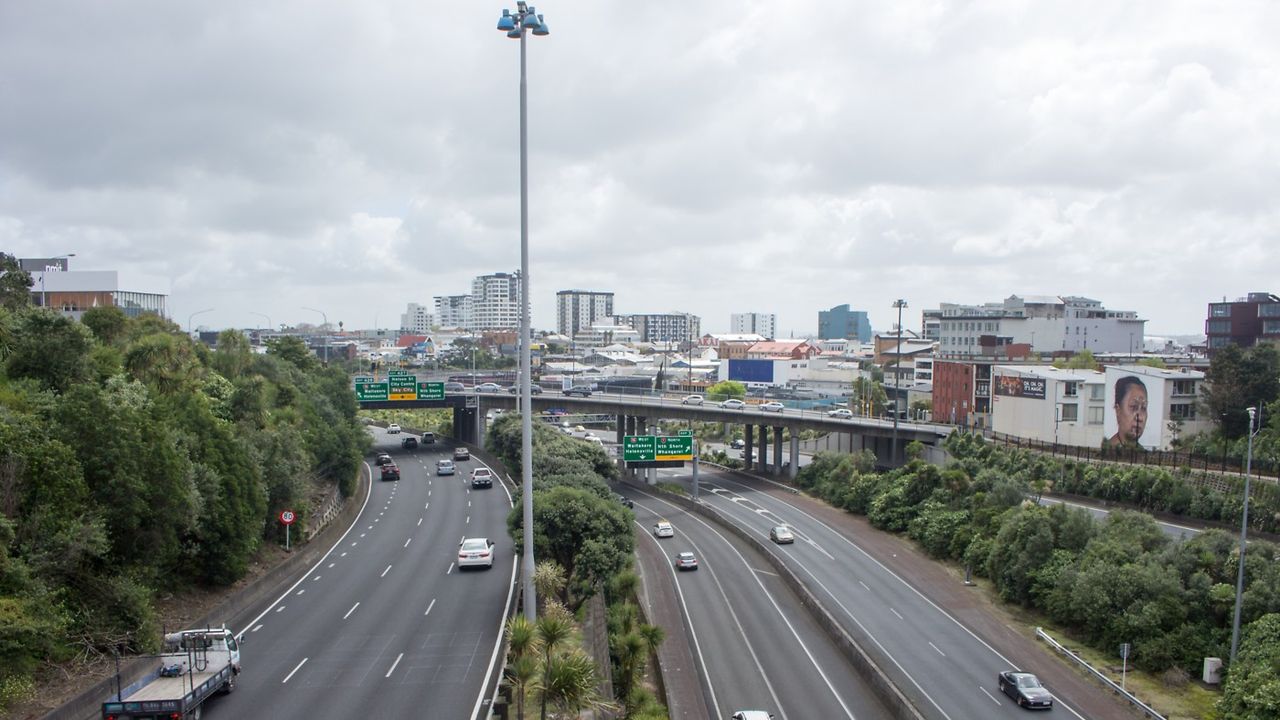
{"type": "Point", "coordinates": [635, 413]}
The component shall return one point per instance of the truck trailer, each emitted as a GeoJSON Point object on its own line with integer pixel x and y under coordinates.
{"type": "Point", "coordinates": [195, 664]}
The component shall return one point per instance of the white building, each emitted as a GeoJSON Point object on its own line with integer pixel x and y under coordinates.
{"type": "Point", "coordinates": [601, 334]}
{"type": "Point", "coordinates": [71, 292]}
{"type": "Point", "coordinates": [674, 326]}
{"type": "Point", "coordinates": [580, 309]}
{"type": "Point", "coordinates": [1048, 404]}
{"type": "Point", "coordinates": [495, 302]}
{"type": "Point", "coordinates": [417, 319]}
{"type": "Point", "coordinates": [1046, 323]}
{"type": "Point", "coordinates": [453, 311]}
{"type": "Point", "coordinates": [764, 324]}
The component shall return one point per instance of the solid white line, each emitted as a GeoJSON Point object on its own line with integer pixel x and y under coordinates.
{"type": "Point", "coordinates": [993, 699]}
{"type": "Point", "coordinates": [406, 542]}
{"type": "Point", "coordinates": [291, 672]}
{"type": "Point", "coordinates": [935, 647]}
{"type": "Point", "coordinates": [764, 572]}
{"type": "Point", "coordinates": [497, 645]}
{"type": "Point", "coordinates": [353, 609]}
{"type": "Point", "coordinates": [433, 604]}
{"type": "Point", "coordinates": [394, 664]}
{"type": "Point", "coordinates": [384, 572]}
{"type": "Point", "coordinates": [895, 612]}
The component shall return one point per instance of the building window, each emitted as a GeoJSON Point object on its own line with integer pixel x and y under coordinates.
{"type": "Point", "coordinates": [1069, 389]}
{"type": "Point", "coordinates": [1070, 412]}
{"type": "Point", "coordinates": [1217, 341]}
{"type": "Point", "coordinates": [1220, 310]}
{"type": "Point", "coordinates": [1182, 411]}
{"type": "Point", "coordinates": [1271, 327]}
{"type": "Point", "coordinates": [1096, 414]}
{"type": "Point", "coordinates": [1184, 387]}
{"type": "Point", "coordinates": [1218, 327]}
{"type": "Point", "coordinates": [1269, 310]}
{"type": "Point", "coordinates": [1098, 392]}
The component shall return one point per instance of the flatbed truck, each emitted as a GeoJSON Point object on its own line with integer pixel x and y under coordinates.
{"type": "Point", "coordinates": [195, 664]}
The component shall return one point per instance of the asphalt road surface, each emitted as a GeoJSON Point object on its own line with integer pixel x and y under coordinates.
{"type": "Point", "coordinates": [386, 625]}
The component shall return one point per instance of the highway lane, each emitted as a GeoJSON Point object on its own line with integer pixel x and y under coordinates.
{"type": "Point", "coordinates": [758, 647]}
{"type": "Point", "coordinates": [947, 670]}
{"type": "Point", "coordinates": [386, 625]}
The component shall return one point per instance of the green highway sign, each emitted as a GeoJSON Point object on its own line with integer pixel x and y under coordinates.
{"type": "Point", "coordinates": [365, 379]}
{"type": "Point", "coordinates": [403, 387]}
{"type": "Point", "coordinates": [370, 391]}
{"type": "Point", "coordinates": [654, 448]}
{"type": "Point", "coordinates": [638, 448]}
{"type": "Point", "coordinates": [397, 371]}
{"type": "Point", "coordinates": [430, 391]}
{"type": "Point", "coordinates": [685, 433]}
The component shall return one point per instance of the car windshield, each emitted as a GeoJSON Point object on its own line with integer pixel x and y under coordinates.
{"type": "Point", "coordinates": [1027, 681]}
{"type": "Point", "coordinates": [475, 544]}
{"type": "Point", "coordinates": [686, 556]}
{"type": "Point", "coordinates": [782, 531]}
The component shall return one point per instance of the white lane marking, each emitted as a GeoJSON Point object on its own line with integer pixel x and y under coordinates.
{"type": "Point", "coordinates": [369, 528]}
{"type": "Point", "coordinates": [406, 542]}
{"type": "Point", "coordinates": [355, 543]}
{"type": "Point", "coordinates": [895, 612]}
{"type": "Point", "coordinates": [446, 572]}
{"type": "Point", "coordinates": [468, 503]}
{"type": "Point", "coordinates": [315, 578]}
{"type": "Point", "coordinates": [353, 609]}
{"type": "Point", "coordinates": [363, 534]}
{"type": "Point", "coordinates": [394, 664]}
{"type": "Point", "coordinates": [433, 604]}
{"type": "Point", "coordinates": [419, 522]}
{"type": "Point", "coordinates": [332, 564]}
{"type": "Point", "coordinates": [424, 507]}
{"type": "Point", "coordinates": [864, 586]}
{"type": "Point", "coordinates": [908, 586]}
{"type": "Point", "coordinates": [343, 555]}
{"type": "Point", "coordinates": [384, 572]}
{"type": "Point", "coordinates": [497, 644]}
{"type": "Point", "coordinates": [302, 591]}
{"type": "Point", "coordinates": [984, 692]}
{"type": "Point", "coordinates": [291, 672]}
{"type": "Point", "coordinates": [935, 647]}
{"type": "Point", "coordinates": [256, 628]}
{"type": "Point", "coordinates": [764, 572]}
{"type": "Point", "coordinates": [468, 519]}
{"type": "Point", "coordinates": [280, 608]}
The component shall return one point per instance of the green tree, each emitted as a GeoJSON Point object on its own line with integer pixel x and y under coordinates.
{"type": "Point", "coordinates": [106, 322]}
{"type": "Point", "coordinates": [233, 355]}
{"type": "Point", "coordinates": [726, 389]}
{"type": "Point", "coordinates": [1083, 360]}
{"type": "Point", "coordinates": [552, 631]}
{"type": "Point", "coordinates": [293, 351]}
{"type": "Point", "coordinates": [1252, 691]}
{"type": "Point", "coordinates": [15, 283]}
{"type": "Point", "coordinates": [869, 397]}
{"type": "Point", "coordinates": [50, 348]}
{"type": "Point", "coordinates": [1023, 545]}
{"type": "Point", "coordinates": [1238, 379]}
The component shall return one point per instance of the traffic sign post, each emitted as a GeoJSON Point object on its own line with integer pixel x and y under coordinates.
{"type": "Point", "coordinates": [1124, 659]}
{"type": "Point", "coordinates": [371, 391]}
{"type": "Point", "coordinates": [287, 517]}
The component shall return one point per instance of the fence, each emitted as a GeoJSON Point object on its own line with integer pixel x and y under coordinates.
{"type": "Point", "coordinates": [1136, 456]}
{"type": "Point", "coordinates": [1147, 710]}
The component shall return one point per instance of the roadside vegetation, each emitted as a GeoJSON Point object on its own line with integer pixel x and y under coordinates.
{"type": "Point", "coordinates": [1106, 583]}
{"type": "Point", "coordinates": [136, 464]}
{"type": "Point", "coordinates": [584, 542]}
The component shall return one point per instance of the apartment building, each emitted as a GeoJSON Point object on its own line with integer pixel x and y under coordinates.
{"type": "Point", "coordinates": [578, 310]}
{"type": "Point", "coordinates": [841, 322]}
{"type": "Point", "coordinates": [417, 319]}
{"type": "Point", "coordinates": [495, 302]}
{"type": "Point", "coordinates": [453, 311]}
{"type": "Point", "coordinates": [763, 324]}
{"type": "Point", "coordinates": [1245, 321]}
{"type": "Point", "coordinates": [1045, 323]}
{"type": "Point", "coordinates": [674, 326]}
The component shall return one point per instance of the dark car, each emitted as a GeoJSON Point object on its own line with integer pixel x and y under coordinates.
{"type": "Point", "coordinates": [1025, 689]}
{"type": "Point", "coordinates": [428, 438]}
{"type": "Point", "coordinates": [579, 390]}
{"type": "Point", "coordinates": [390, 471]}
{"type": "Point", "coordinates": [383, 459]}
{"type": "Point", "coordinates": [409, 443]}
{"type": "Point", "coordinates": [460, 454]}
{"type": "Point", "coordinates": [533, 389]}
{"type": "Point", "coordinates": [454, 387]}
{"type": "Point", "coordinates": [626, 501]}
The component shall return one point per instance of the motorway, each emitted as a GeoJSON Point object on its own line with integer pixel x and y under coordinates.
{"type": "Point", "coordinates": [757, 646]}
{"type": "Point", "coordinates": [948, 671]}
{"type": "Point", "coordinates": [385, 625]}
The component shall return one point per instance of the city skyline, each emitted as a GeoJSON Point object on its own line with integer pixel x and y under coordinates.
{"type": "Point", "coordinates": [731, 156]}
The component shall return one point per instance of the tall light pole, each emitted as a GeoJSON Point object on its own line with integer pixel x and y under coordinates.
{"type": "Point", "coordinates": [897, 378]}
{"type": "Point", "coordinates": [515, 25]}
{"type": "Point", "coordinates": [1244, 532]}
{"type": "Point", "coordinates": [44, 297]}
{"type": "Point", "coordinates": [192, 315]}
{"type": "Point", "coordinates": [326, 332]}
{"type": "Point", "coordinates": [263, 315]}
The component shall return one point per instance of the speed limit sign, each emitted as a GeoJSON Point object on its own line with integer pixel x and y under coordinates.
{"type": "Point", "coordinates": [287, 517]}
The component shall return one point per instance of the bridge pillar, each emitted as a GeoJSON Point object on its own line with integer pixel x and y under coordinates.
{"type": "Point", "coordinates": [794, 466]}
{"type": "Point", "coordinates": [763, 465]}
{"type": "Point", "coordinates": [748, 449]}
{"type": "Point", "coordinates": [777, 450]}
{"type": "Point", "coordinates": [622, 428]}
{"type": "Point", "coordinates": [464, 425]}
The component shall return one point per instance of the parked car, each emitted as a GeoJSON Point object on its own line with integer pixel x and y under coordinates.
{"type": "Point", "coordinates": [482, 477]}
{"type": "Point", "coordinates": [686, 561]}
{"type": "Point", "coordinates": [444, 467]}
{"type": "Point", "coordinates": [841, 413]}
{"type": "Point", "coordinates": [383, 459]}
{"type": "Point", "coordinates": [409, 443]}
{"type": "Point", "coordinates": [732, 404]}
{"type": "Point", "coordinates": [781, 534]}
{"type": "Point", "coordinates": [461, 454]}
{"type": "Point", "coordinates": [773, 406]}
{"type": "Point", "coordinates": [488, 388]}
{"type": "Point", "coordinates": [738, 444]}
{"type": "Point", "coordinates": [692, 400]}
{"type": "Point", "coordinates": [454, 387]}
{"type": "Point", "coordinates": [663, 529]}
{"type": "Point", "coordinates": [428, 438]}
{"type": "Point", "coordinates": [390, 471]}
{"type": "Point", "coordinates": [475, 552]}
{"type": "Point", "coordinates": [579, 390]}
{"type": "Point", "coordinates": [1025, 689]}
{"type": "Point", "coordinates": [393, 429]}
{"type": "Point", "coordinates": [533, 389]}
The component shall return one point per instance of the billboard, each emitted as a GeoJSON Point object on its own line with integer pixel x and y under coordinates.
{"type": "Point", "coordinates": [1135, 409]}
{"type": "Point", "coordinates": [1020, 386]}
{"type": "Point", "coordinates": [751, 371]}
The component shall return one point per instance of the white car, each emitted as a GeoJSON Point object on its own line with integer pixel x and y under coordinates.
{"type": "Point", "coordinates": [841, 414]}
{"type": "Point", "coordinates": [663, 529]}
{"type": "Point", "coordinates": [393, 429]}
{"type": "Point", "coordinates": [488, 388]}
{"type": "Point", "coordinates": [475, 552]}
{"type": "Point", "coordinates": [773, 407]}
{"type": "Point", "coordinates": [751, 715]}
{"type": "Point", "coordinates": [691, 400]}
{"type": "Point", "coordinates": [733, 404]}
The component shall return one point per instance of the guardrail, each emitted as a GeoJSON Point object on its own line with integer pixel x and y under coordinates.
{"type": "Point", "coordinates": [1146, 710]}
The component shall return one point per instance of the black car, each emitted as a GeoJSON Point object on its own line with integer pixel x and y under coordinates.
{"type": "Point", "coordinates": [454, 387]}
{"type": "Point", "coordinates": [409, 443]}
{"type": "Point", "coordinates": [533, 389]}
{"type": "Point", "coordinates": [581, 391]}
{"type": "Point", "coordinates": [1025, 689]}
{"type": "Point", "coordinates": [390, 472]}
{"type": "Point", "coordinates": [383, 459]}
{"type": "Point", "coordinates": [626, 501]}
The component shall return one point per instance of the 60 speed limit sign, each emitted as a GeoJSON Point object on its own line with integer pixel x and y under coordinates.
{"type": "Point", "coordinates": [287, 517]}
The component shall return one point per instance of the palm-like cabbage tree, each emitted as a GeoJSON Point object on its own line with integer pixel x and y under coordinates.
{"type": "Point", "coordinates": [552, 631]}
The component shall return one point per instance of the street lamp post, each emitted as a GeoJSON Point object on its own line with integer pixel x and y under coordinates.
{"type": "Point", "coordinates": [515, 25]}
{"type": "Point", "coordinates": [192, 315]}
{"type": "Point", "coordinates": [326, 332]}
{"type": "Point", "coordinates": [897, 378]}
{"type": "Point", "coordinates": [263, 315]}
{"type": "Point", "coordinates": [44, 297]}
{"type": "Point", "coordinates": [1244, 533]}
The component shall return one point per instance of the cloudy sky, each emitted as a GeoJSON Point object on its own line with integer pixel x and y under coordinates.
{"type": "Point", "coordinates": [710, 156]}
